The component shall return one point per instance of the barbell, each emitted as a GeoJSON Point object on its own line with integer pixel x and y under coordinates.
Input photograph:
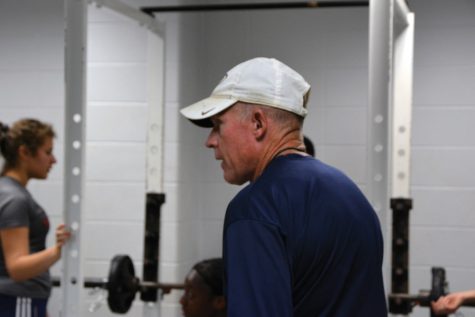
{"type": "Point", "coordinates": [402, 303]}
{"type": "Point", "coordinates": [122, 285]}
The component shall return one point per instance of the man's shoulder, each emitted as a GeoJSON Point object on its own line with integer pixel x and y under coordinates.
{"type": "Point", "coordinates": [295, 165]}
{"type": "Point", "coordinates": [252, 203]}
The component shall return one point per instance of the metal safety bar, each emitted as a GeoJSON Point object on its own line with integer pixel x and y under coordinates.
{"type": "Point", "coordinates": [255, 6]}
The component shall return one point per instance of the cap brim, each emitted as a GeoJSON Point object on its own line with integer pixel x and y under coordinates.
{"type": "Point", "coordinates": [200, 113]}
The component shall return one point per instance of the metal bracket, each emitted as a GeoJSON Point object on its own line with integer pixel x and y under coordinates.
{"type": "Point", "coordinates": [152, 244]}
{"type": "Point", "coordinates": [400, 255]}
{"type": "Point", "coordinates": [135, 14]}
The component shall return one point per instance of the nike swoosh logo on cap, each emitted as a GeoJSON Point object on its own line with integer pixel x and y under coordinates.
{"type": "Point", "coordinates": [205, 112]}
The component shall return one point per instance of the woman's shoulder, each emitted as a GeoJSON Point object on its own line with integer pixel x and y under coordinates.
{"type": "Point", "coordinates": [12, 190]}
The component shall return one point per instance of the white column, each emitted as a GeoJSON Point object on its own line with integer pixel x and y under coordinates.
{"type": "Point", "coordinates": [389, 113]}
{"type": "Point", "coordinates": [402, 108]}
{"type": "Point", "coordinates": [378, 116]}
{"type": "Point", "coordinates": [75, 87]}
{"type": "Point", "coordinates": [155, 138]}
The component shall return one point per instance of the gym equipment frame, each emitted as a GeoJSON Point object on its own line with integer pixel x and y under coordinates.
{"type": "Point", "coordinates": [391, 30]}
{"type": "Point", "coordinates": [75, 91]}
{"type": "Point", "coordinates": [390, 94]}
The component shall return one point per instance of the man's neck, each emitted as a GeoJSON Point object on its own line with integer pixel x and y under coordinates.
{"type": "Point", "coordinates": [289, 143]}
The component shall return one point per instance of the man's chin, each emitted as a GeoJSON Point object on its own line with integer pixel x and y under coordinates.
{"type": "Point", "coordinates": [233, 180]}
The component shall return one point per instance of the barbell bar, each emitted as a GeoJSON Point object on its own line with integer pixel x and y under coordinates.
{"type": "Point", "coordinates": [122, 285]}
{"type": "Point", "coordinates": [403, 303]}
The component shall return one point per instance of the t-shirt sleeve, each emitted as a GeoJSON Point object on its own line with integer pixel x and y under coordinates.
{"type": "Point", "coordinates": [257, 271]}
{"type": "Point", "coordinates": [14, 213]}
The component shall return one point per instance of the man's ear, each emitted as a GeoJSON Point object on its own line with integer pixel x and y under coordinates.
{"type": "Point", "coordinates": [219, 303]}
{"type": "Point", "coordinates": [259, 123]}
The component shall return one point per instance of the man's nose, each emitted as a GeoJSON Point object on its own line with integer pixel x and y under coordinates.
{"type": "Point", "coordinates": [211, 140]}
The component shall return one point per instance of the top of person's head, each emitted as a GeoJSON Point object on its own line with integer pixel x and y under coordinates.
{"type": "Point", "coordinates": [261, 81]}
{"type": "Point", "coordinates": [31, 133]}
{"type": "Point", "coordinates": [211, 272]}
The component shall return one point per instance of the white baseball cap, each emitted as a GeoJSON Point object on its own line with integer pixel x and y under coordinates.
{"type": "Point", "coordinates": [264, 81]}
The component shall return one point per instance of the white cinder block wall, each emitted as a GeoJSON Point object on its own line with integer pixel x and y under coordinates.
{"type": "Point", "coordinates": [328, 46]}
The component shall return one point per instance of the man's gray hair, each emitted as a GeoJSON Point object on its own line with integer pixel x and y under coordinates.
{"type": "Point", "coordinates": [281, 117]}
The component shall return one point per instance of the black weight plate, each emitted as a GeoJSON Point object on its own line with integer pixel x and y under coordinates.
{"type": "Point", "coordinates": [122, 284]}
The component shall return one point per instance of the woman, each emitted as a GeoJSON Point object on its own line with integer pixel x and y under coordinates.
{"type": "Point", "coordinates": [25, 285]}
{"type": "Point", "coordinates": [204, 295]}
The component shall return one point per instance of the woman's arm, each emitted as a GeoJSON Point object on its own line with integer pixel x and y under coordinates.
{"type": "Point", "coordinates": [21, 265]}
{"type": "Point", "coordinates": [450, 303]}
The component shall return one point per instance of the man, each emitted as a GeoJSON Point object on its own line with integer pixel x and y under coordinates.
{"type": "Point", "coordinates": [300, 239]}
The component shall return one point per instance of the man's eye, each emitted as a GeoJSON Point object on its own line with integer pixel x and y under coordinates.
{"type": "Point", "coordinates": [216, 122]}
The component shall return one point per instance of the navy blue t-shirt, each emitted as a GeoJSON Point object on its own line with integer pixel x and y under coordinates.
{"type": "Point", "coordinates": [303, 241]}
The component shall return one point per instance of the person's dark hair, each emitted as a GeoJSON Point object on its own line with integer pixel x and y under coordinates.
{"type": "Point", "coordinates": [31, 133]}
{"type": "Point", "coordinates": [211, 272]}
{"type": "Point", "coordinates": [309, 148]}
{"type": "Point", "coordinates": [3, 136]}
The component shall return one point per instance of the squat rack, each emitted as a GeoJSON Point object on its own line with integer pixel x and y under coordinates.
{"type": "Point", "coordinates": [75, 114]}
{"type": "Point", "coordinates": [391, 30]}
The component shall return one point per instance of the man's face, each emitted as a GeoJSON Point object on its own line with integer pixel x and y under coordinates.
{"type": "Point", "coordinates": [197, 300]}
{"type": "Point", "coordinates": [232, 140]}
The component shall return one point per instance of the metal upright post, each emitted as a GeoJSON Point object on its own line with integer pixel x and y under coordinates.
{"type": "Point", "coordinates": [401, 115]}
{"type": "Point", "coordinates": [75, 87]}
{"type": "Point", "coordinates": [155, 143]}
{"type": "Point", "coordinates": [377, 177]}
{"type": "Point", "coordinates": [400, 150]}
{"type": "Point", "coordinates": [389, 118]}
